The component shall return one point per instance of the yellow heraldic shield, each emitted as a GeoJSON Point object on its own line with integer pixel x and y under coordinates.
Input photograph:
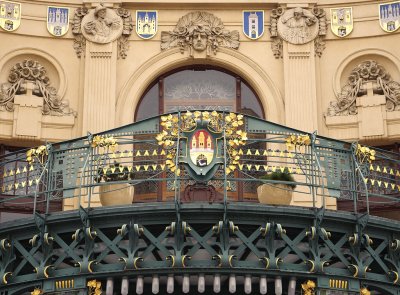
{"type": "Point", "coordinates": [342, 21]}
{"type": "Point", "coordinates": [10, 15]}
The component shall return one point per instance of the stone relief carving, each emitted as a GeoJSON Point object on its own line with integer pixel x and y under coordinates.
{"type": "Point", "coordinates": [102, 25]}
{"type": "Point", "coordinates": [367, 71]}
{"type": "Point", "coordinates": [297, 26]}
{"type": "Point", "coordinates": [199, 31]}
{"type": "Point", "coordinates": [29, 70]}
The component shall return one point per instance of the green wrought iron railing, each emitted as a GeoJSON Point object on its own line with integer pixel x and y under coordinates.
{"type": "Point", "coordinates": [161, 157]}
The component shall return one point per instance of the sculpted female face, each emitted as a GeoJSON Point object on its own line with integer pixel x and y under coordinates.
{"type": "Point", "coordinates": [199, 40]}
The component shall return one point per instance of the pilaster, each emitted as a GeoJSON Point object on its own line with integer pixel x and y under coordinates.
{"type": "Point", "coordinates": [300, 86]}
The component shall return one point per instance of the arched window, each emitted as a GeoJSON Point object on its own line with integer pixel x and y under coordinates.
{"type": "Point", "coordinates": [198, 87]}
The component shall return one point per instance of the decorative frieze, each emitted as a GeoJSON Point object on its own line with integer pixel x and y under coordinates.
{"type": "Point", "coordinates": [199, 31]}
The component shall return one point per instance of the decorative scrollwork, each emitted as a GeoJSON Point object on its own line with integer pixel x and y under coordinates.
{"type": "Point", "coordinates": [367, 71]}
{"type": "Point", "coordinates": [199, 31]}
{"type": "Point", "coordinates": [30, 70]}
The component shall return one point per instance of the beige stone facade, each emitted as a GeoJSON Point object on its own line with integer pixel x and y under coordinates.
{"type": "Point", "coordinates": [299, 73]}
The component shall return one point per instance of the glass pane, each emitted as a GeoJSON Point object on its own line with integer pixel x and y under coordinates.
{"type": "Point", "coordinates": [207, 90]}
{"type": "Point", "coordinates": [148, 106]}
{"type": "Point", "coordinates": [250, 104]}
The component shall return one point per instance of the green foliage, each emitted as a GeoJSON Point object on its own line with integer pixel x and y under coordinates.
{"type": "Point", "coordinates": [280, 176]}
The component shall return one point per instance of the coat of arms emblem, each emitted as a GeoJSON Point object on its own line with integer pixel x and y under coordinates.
{"type": "Point", "coordinates": [10, 15]}
{"type": "Point", "coordinates": [57, 20]}
{"type": "Point", "coordinates": [389, 16]}
{"type": "Point", "coordinates": [341, 21]}
{"type": "Point", "coordinates": [253, 23]}
{"type": "Point", "coordinates": [146, 23]}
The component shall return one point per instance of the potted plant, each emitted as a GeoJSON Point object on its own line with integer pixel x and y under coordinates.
{"type": "Point", "coordinates": [115, 193]}
{"type": "Point", "coordinates": [276, 193]}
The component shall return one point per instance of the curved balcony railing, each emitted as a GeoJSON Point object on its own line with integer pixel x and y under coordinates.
{"type": "Point", "coordinates": [148, 154]}
{"type": "Point", "coordinates": [226, 240]}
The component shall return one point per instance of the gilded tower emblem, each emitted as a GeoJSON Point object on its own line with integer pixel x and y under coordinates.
{"type": "Point", "coordinates": [389, 16]}
{"type": "Point", "coordinates": [342, 21]}
{"type": "Point", "coordinates": [146, 23]}
{"type": "Point", "coordinates": [10, 15]}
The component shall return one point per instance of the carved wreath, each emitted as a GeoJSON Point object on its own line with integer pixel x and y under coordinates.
{"type": "Point", "coordinates": [368, 71]}
{"type": "Point", "coordinates": [29, 70]}
{"type": "Point", "coordinates": [204, 22]}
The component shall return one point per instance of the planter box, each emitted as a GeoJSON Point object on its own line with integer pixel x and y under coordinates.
{"type": "Point", "coordinates": [116, 194]}
{"type": "Point", "coordinates": [276, 194]}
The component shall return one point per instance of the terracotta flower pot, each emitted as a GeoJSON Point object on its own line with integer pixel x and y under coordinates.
{"type": "Point", "coordinates": [277, 194]}
{"type": "Point", "coordinates": [116, 194]}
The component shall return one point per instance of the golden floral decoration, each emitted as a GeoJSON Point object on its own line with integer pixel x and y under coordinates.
{"type": "Point", "coordinates": [365, 154]}
{"type": "Point", "coordinates": [308, 287]}
{"type": "Point", "coordinates": [39, 154]}
{"type": "Point", "coordinates": [217, 123]}
{"type": "Point", "coordinates": [36, 291]}
{"type": "Point", "coordinates": [94, 287]}
{"type": "Point", "coordinates": [297, 140]}
{"type": "Point", "coordinates": [104, 141]}
{"type": "Point", "coordinates": [365, 291]}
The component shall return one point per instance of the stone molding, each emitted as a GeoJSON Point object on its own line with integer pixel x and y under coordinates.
{"type": "Point", "coordinates": [199, 31]}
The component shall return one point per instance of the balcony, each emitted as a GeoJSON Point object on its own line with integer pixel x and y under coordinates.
{"type": "Point", "coordinates": [180, 200]}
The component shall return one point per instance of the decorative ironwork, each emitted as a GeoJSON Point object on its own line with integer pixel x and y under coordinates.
{"type": "Point", "coordinates": [234, 237]}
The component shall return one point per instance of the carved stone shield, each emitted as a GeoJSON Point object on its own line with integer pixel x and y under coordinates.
{"type": "Point", "coordinates": [389, 16]}
{"type": "Point", "coordinates": [253, 23]}
{"type": "Point", "coordinates": [57, 20]}
{"type": "Point", "coordinates": [341, 21]}
{"type": "Point", "coordinates": [10, 15]}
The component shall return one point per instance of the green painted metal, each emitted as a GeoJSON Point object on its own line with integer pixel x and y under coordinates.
{"type": "Point", "coordinates": [222, 238]}
{"type": "Point", "coordinates": [257, 240]}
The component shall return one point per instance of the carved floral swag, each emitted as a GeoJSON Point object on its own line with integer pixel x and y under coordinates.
{"type": "Point", "coordinates": [29, 70]}
{"type": "Point", "coordinates": [367, 71]}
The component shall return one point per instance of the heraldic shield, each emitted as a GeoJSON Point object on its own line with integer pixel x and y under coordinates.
{"type": "Point", "coordinates": [10, 15]}
{"type": "Point", "coordinates": [253, 23]}
{"type": "Point", "coordinates": [389, 16]}
{"type": "Point", "coordinates": [57, 20]}
{"type": "Point", "coordinates": [195, 141]}
{"type": "Point", "coordinates": [342, 21]}
{"type": "Point", "coordinates": [146, 23]}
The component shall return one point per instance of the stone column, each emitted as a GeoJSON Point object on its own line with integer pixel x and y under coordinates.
{"type": "Point", "coordinates": [300, 86]}
{"type": "Point", "coordinates": [100, 87]}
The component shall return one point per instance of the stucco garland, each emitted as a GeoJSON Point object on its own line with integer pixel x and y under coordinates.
{"type": "Point", "coordinates": [163, 62]}
{"type": "Point", "coordinates": [364, 52]}
{"type": "Point", "coordinates": [62, 88]}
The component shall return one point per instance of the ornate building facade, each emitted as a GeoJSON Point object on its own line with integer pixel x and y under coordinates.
{"type": "Point", "coordinates": [329, 68]}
